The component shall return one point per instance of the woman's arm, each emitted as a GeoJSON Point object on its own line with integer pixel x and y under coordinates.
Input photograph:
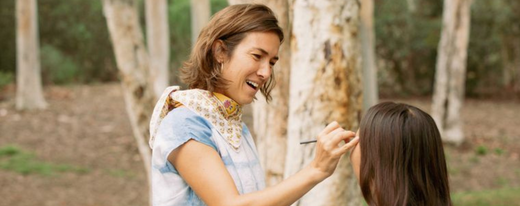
{"type": "Point", "coordinates": [201, 167]}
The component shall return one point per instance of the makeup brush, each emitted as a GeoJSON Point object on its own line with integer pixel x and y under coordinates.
{"type": "Point", "coordinates": [308, 141]}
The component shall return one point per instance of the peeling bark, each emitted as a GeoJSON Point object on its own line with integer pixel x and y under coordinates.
{"type": "Point", "coordinates": [325, 87]}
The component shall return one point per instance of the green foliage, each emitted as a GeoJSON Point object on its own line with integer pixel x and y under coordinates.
{"type": "Point", "coordinates": [502, 181]}
{"type": "Point", "coordinates": [121, 173]}
{"type": "Point", "coordinates": [14, 159]}
{"type": "Point", "coordinates": [499, 151]}
{"type": "Point", "coordinates": [481, 150]}
{"type": "Point", "coordinates": [484, 50]}
{"type": "Point", "coordinates": [6, 78]}
{"type": "Point", "coordinates": [58, 67]}
{"type": "Point", "coordinates": [7, 37]}
{"type": "Point", "coordinates": [77, 28]}
{"type": "Point", "coordinates": [503, 196]}
{"type": "Point", "coordinates": [407, 43]}
{"type": "Point", "coordinates": [9, 150]}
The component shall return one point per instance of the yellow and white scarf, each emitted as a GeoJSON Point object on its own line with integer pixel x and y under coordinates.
{"type": "Point", "coordinates": [222, 112]}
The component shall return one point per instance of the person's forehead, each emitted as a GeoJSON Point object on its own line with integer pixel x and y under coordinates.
{"type": "Point", "coordinates": [266, 42]}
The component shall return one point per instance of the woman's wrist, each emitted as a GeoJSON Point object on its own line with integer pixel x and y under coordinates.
{"type": "Point", "coordinates": [316, 175]}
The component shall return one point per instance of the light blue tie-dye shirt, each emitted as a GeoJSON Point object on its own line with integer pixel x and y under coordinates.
{"type": "Point", "coordinates": [181, 125]}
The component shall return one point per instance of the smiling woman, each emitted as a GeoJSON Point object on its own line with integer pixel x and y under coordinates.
{"type": "Point", "coordinates": [202, 152]}
{"type": "Point", "coordinates": [249, 67]}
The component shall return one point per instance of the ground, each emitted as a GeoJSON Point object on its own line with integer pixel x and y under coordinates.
{"type": "Point", "coordinates": [85, 142]}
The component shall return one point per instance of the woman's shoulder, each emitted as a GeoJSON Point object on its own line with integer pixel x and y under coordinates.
{"type": "Point", "coordinates": [186, 117]}
{"type": "Point", "coordinates": [182, 124]}
{"type": "Point", "coordinates": [184, 121]}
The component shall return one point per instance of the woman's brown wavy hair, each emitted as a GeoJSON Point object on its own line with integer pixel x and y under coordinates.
{"type": "Point", "coordinates": [230, 25]}
{"type": "Point", "coordinates": [402, 157]}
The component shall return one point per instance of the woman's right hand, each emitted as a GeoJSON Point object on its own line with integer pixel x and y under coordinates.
{"type": "Point", "coordinates": [328, 150]}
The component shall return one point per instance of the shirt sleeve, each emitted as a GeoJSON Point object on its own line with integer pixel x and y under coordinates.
{"type": "Point", "coordinates": [179, 126]}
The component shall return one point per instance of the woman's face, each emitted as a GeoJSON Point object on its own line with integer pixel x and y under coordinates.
{"type": "Point", "coordinates": [250, 66]}
{"type": "Point", "coordinates": [355, 158]}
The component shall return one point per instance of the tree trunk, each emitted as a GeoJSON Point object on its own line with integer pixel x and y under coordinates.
{"type": "Point", "coordinates": [325, 87]}
{"type": "Point", "coordinates": [158, 38]}
{"type": "Point", "coordinates": [132, 61]}
{"type": "Point", "coordinates": [200, 14]}
{"type": "Point", "coordinates": [451, 70]}
{"type": "Point", "coordinates": [411, 5]}
{"type": "Point", "coordinates": [29, 94]}
{"type": "Point", "coordinates": [370, 86]}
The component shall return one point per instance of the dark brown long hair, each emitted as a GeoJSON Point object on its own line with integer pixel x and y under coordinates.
{"type": "Point", "coordinates": [230, 25]}
{"type": "Point", "coordinates": [402, 157]}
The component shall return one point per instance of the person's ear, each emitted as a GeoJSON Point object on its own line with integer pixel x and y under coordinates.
{"type": "Point", "coordinates": [219, 51]}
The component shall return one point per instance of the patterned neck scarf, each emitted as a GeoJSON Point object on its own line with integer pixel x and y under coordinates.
{"type": "Point", "coordinates": [221, 111]}
{"type": "Point", "coordinates": [231, 107]}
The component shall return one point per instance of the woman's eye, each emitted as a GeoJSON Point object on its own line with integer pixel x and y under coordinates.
{"type": "Point", "coordinates": [256, 56]}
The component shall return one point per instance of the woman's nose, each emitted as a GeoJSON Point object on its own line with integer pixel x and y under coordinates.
{"type": "Point", "coordinates": [265, 71]}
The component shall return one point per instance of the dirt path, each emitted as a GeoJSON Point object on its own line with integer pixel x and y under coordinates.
{"type": "Point", "coordinates": [87, 127]}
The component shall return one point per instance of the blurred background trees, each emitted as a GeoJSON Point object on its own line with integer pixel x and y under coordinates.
{"type": "Point", "coordinates": [75, 44]}
{"type": "Point", "coordinates": [406, 44]}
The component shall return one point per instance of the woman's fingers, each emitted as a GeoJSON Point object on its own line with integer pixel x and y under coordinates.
{"type": "Point", "coordinates": [344, 136]}
{"type": "Point", "coordinates": [337, 135]}
{"type": "Point", "coordinates": [328, 151]}
{"type": "Point", "coordinates": [329, 128]}
{"type": "Point", "coordinates": [331, 141]}
{"type": "Point", "coordinates": [349, 145]}
{"type": "Point", "coordinates": [327, 140]}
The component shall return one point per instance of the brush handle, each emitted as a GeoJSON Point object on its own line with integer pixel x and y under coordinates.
{"type": "Point", "coordinates": [308, 141]}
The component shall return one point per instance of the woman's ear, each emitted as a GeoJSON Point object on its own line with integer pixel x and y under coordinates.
{"type": "Point", "coordinates": [219, 51]}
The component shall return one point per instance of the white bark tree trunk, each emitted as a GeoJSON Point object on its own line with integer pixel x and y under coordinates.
{"type": "Point", "coordinates": [132, 61]}
{"type": "Point", "coordinates": [411, 5]}
{"type": "Point", "coordinates": [451, 70]}
{"type": "Point", "coordinates": [200, 14]}
{"type": "Point", "coordinates": [158, 38]}
{"type": "Point", "coordinates": [29, 94]}
{"type": "Point", "coordinates": [370, 86]}
{"type": "Point", "coordinates": [270, 119]}
{"type": "Point", "coordinates": [325, 87]}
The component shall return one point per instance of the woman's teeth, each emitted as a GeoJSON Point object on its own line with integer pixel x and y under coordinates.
{"type": "Point", "coordinates": [252, 84]}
